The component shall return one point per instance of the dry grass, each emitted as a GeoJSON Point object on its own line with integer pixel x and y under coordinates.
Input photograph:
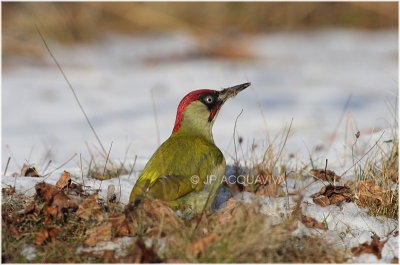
{"type": "Point", "coordinates": [238, 234]}
{"type": "Point", "coordinates": [381, 168]}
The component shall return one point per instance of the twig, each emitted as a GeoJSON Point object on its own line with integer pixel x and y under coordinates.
{"type": "Point", "coordinates": [47, 166]}
{"type": "Point", "coordinates": [13, 157]}
{"type": "Point", "coordinates": [262, 113]}
{"type": "Point", "coordinates": [80, 158]}
{"type": "Point", "coordinates": [346, 105]}
{"type": "Point", "coordinates": [72, 157]}
{"type": "Point", "coordinates": [72, 89]}
{"type": "Point", "coordinates": [8, 162]}
{"type": "Point", "coordinates": [284, 143]}
{"type": "Point", "coordinates": [119, 182]}
{"type": "Point", "coordinates": [153, 103]}
{"type": "Point", "coordinates": [133, 166]}
{"type": "Point", "coordinates": [105, 165]}
{"type": "Point", "coordinates": [234, 143]}
{"type": "Point", "coordinates": [363, 155]}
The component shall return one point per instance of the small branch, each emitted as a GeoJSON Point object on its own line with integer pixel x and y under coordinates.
{"type": "Point", "coordinates": [72, 157]}
{"type": "Point", "coordinates": [8, 162]}
{"type": "Point", "coordinates": [284, 143]}
{"type": "Point", "coordinates": [72, 89]}
{"type": "Point", "coordinates": [364, 154]}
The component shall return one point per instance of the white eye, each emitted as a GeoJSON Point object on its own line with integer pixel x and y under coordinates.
{"type": "Point", "coordinates": [209, 99]}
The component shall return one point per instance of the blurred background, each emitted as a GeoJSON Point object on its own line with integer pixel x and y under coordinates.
{"type": "Point", "coordinates": [331, 67]}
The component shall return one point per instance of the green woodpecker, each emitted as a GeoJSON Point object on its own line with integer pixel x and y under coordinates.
{"type": "Point", "coordinates": [187, 169]}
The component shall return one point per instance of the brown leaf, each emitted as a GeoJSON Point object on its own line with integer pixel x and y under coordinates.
{"type": "Point", "coordinates": [29, 171]}
{"type": "Point", "coordinates": [324, 201]}
{"type": "Point", "coordinates": [120, 224]}
{"type": "Point", "coordinates": [332, 195]}
{"type": "Point", "coordinates": [312, 223]}
{"type": "Point", "coordinates": [141, 254]}
{"type": "Point", "coordinates": [47, 191]}
{"type": "Point", "coordinates": [62, 201]}
{"type": "Point", "coordinates": [99, 234]}
{"type": "Point", "coordinates": [8, 191]}
{"type": "Point", "coordinates": [53, 234]}
{"type": "Point", "coordinates": [323, 175]}
{"type": "Point", "coordinates": [198, 246]}
{"type": "Point", "coordinates": [90, 209]}
{"type": "Point", "coordinates": [76, 187]}
{"type": "Point", "coordinates": [159, 209]}
{"type": "Point", "coordinates": [14, 232]}
{"type": "Point", "coordinates": [111, 197]}
{"type": "Point", "coordinates": [64, 181]}
{"type": "Point", "coordinates": [375, 247]}
{"type": "Point", "coordinates": [367, 190]}
{"type": "Point", "coordinates": [42, 237]}
{"type": "Point", "coordinates": [45, 235]}
{"type": "Point", "coordinates": [30, 208]}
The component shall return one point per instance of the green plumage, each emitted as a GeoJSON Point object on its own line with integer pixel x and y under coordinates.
{"type": "Point", "coordinates": [179, 172]}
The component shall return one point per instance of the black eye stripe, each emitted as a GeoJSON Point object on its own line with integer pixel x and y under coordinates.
{"type": "Point", "coordinates": [205, 98]}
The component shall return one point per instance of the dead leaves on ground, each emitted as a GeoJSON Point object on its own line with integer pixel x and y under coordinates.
{"type": "Point", "coordinates": [375, 247]}
{"type": "Point", "coordinates": [310, 222]}
{"type": "Point", "coordinates": [331, 195]}
{"type": "Point", "coordinates": [8, 191]}
{"type": "Point", "coordinates": [29, 171]}
{"type": "Point", "coordinates": [139, 254]}
{"type": "Point", "coordinates": [368, 191]}
{"type": "Point", "coordinates": [90, 209]}
{"type": "Point", "coordinates": [324, 175]}
{"type": "Point", "coordinates": [99, 234]}
{"type": "Point", "coordinates": [64, 181]}
{"type": "Point", "coordinates": [45, 235]}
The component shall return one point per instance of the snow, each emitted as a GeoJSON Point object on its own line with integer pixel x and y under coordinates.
{"type": "Point", "coordinates": [307, 76]}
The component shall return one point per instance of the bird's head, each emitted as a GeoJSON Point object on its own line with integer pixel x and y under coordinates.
{"type": "Point", "coordinates": [198, 109]}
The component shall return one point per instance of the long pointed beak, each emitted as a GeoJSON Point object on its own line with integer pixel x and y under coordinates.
{"type": "Point", "coordinates": [230, 92]}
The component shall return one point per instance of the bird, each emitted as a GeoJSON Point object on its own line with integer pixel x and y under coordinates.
{"type": "Point", "coordinates": [186, 171]}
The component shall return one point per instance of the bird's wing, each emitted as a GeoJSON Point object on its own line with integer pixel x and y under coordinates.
{"type": "Point", "coordinates": [169, 176]}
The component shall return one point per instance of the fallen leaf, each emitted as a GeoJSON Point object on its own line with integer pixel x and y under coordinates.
{"type": "Point", "coordinates": [89, 208]}
{"type": "Point", "coordinates": [323, 175]}
{"type": "Point", "coordinates": [53, 234]}
{"type": "Point", "coordinates": [159, 210]}
{"type": "Point", "coordinates": [375, 247]}
{"type": "Point", "coordinates": [111, 197]}
{"type": "Point", "coordinates": [62, 201]}
{"type": "Point", "coordinates": [8, 191]}
{"type": "Point", "coordinates": [45, 235]}
{"type": "Point", "coordinates": [120, 224]}
{"type": "Point", "coordinates": [42, 237]}
{"type": "Point", "coordinates": [49, 212]}
{"type": "Point", "coordinates": [29, 171]}
{"type": "Point", "coordinates": [14, 231]}
{"type": "Point", "coordinates": [64, 181]}
{"type": "Point", "coordinates": [47, 191]}
{"type": "Point", "coordinates": [76, 187]}
{"type": "Point", "coordinates": [198, 246]}
{"type": "Point", "coordinates": [367, 190]}
{"type": "Point", "coordinates": [312, 223]}
{"type": "Point", "coordinates": [99, 234]}
{"type": "Point", "coordinates": [332, 195]}
{"type": "Point", "coordinates": [141, 254]}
